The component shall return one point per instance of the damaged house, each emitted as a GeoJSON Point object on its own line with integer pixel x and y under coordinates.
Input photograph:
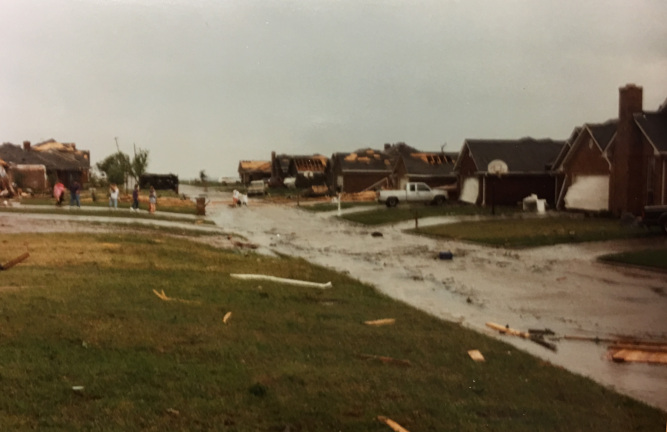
{"type": "Point", "coordinates": [358, 171]}
{"type": "Point", "coordinates": [519, 168]}
{"type": "Point", "coordinates": [38, 167]}
{"type": "Point", "coordinates": [436, 169]}
{"type": "Point", "coordinates": [299, 171]}
{"type": "Point", "coordinates": [254, 170]}
{"type": "Point", "coordinates": [619, 166]}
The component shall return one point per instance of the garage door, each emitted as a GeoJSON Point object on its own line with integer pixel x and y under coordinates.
{"type": "Point", "coordinates": [588, 193]}
{"type": "Point", "coordinates": [470, 190]}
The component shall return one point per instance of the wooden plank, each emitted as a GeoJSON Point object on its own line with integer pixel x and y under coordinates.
{"type": "Point", "coordinates": [381, 322]}
{"type": "Point", "coordinates": [635, 356]}
{"type": "Point", "coordinates": [12, 263]}
{"type": "Point", "coordinates": [392, 424]}
{"type": "Point", "coordinates": [508, 330]}
{"type": "Point", "coordinates": [476, 355]}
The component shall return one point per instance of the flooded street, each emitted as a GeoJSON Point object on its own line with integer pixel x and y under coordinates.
{"type": "Point", "coordinates": [561, 288]}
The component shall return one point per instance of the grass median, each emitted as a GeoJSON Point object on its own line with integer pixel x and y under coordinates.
{"type": "Point", "coordinates": [81, 312]}
{"type": "Point", "coordinates": [520, 232]}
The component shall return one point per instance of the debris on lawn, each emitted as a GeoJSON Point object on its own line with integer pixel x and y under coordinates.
{"type": "Point", "coordinates": [476, 355]}
{"type": "Point", "coordinates": [227, 316]}
{"type": "Point", "coordinates": [381, 322]}
{"type": "Point", "coordinates": [240, 244]}
{"type": "Point", "coordinates": [12, 263]}
{"type": "Point", "coordinates": [392, 424]}
{"type": "Point", "coordinates": [385, 359]}
{"type": "Point", "coordinates": [77, 389]}
{"type": "Point", "coordinates": [376, 234]}
{"type": "Point", "coordinates": [173, 412]}
{"type": "Point", "coordinates": [536, 336]}
{"type": "Point", "coordinates": [446, 255]}
{"type": "Point", "coordinates": [653, 354]}
{"type": "Point", "coordinates": [282, 280]}
{"type": "Point", "coordinates": [164, 297]}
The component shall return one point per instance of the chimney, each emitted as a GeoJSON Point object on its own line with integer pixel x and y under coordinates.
{"type": "Point", "coordinates": [626, 192]}
{"type": "Point", "coordinates": [26, 145]}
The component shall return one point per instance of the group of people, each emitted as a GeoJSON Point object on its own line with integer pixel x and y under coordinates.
{"type": "Point", "coordinates": [113, 194]}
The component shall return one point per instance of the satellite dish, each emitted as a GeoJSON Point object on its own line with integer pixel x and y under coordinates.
{"type": "Point", "coordinates": [497, 166]}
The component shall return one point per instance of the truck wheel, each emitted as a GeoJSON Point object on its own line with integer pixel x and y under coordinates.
{"type": "Point", "coordinates": [439, 200]}
{"type": "Point", "coordinates": [392, 202]}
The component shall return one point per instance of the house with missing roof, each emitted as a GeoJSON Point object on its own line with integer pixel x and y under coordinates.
{"type": "Point", "coordinates": [504, 172]}
{"type": "Point", "coordinates": [254, 170]}
{"type": "Point", "coordinates": [39, 166]}
{"type": "Point", "coordinates": [303, 171]}
{"type": "Point", "coordinates": [618, 166]}
{"type": "Point", "coordinates": [357, 171]}
{"type": "Point", "coordinates": [433, 168]}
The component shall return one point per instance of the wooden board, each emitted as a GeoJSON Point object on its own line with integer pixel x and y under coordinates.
{"type": "Point", "coordinates": [637, 356]}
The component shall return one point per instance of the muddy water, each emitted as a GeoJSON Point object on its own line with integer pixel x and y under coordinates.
{"type": "Point", "coordinates": [561, 288]}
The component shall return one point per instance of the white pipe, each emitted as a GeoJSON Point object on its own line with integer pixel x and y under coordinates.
{"type": "Point", "coordinates": [282, 280]}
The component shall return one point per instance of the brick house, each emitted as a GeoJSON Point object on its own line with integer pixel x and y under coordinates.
{"type": "Point", "coordinates": [619, 166]}
{"type": "Point", "coordinates": [529, 170]}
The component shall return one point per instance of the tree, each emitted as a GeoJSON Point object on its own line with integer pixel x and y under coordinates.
{"type": "Point", "coordinates": [139, 163]}
{"type": "Point", "coordinates": [116, 167]}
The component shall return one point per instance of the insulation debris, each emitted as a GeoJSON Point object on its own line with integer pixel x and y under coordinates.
{"type": "Point", "coordinates": [282, 280]}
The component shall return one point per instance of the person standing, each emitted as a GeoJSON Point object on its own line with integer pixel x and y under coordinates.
{"type": "Point", "coordinates": [75, 194]}
{"type": "Point", "coordinates": [59, 192]}
{"type": "Point", "coordinates": [113, 196]}
{"type": "Point", "coordinates": [135, 198]}
{"type": "Point", "coordinates": [152, 200]}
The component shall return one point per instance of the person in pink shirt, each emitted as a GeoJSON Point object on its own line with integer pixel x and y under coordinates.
{"type": "Point", "coordinates": [59, 192]}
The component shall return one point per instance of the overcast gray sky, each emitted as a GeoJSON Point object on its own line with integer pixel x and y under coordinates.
{"type": "Point", "coordinates": [204, 84]}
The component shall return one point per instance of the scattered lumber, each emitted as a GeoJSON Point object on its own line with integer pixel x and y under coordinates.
{"type": "Point", "coordinates": [227, 316]}
{"type": "Point", "coordinates": [476, 355]}
{"type": "Point", "coordinates": [534, 336]}
{"type": "Point", "coordinates": [639, 356]}
{"type": "Point", "coordinates": [282, 280]}
{"type": "Point", "coordinates": [381, 322]}
{"type": "Point", "coordinates": [392, 424]}
{"type": "Point", "coordinates": [164, 297]}
{"type": "Point", "coordinates": [385, 359]}
{"type": "Point", "coordinates": [12, 263]}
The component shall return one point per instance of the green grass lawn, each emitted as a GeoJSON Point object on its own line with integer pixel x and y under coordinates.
{"type": "Point", "coordinates": [382, 215]}
{"type": "Point", "coordinates": [81, 311]}
{"type": "Point", "coordinates": [533, 231]}
{"type": "Point", "coordinates": [653, 258]}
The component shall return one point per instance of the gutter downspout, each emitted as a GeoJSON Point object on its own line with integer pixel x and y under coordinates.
{"type": "Point", "coordinates": [484, 190]}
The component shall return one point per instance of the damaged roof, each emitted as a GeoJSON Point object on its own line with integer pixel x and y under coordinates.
{"type": "Point", "coordinates": [313, 163]}
{"type": "Point", "coordinates": [654, 127]}
{"type": "Point", "coordinates": [427, 163]}
{"type": "Point", "coordinates": [526, 155]}
{"type": "Point", "coordinates": [249, 166]}
{"type": "Point", "coordinates": [363, 160]}
{"type": "Point", "coordinates": [51, 154]}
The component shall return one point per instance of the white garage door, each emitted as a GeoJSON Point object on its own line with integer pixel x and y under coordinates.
{"type": "Point", "coordinates": [588, 193]}
{"type": "Point", "coordinates": [470, 190]}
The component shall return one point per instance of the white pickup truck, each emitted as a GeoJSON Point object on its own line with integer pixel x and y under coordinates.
{"type": "Point", "coordinates": [413, 192]}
